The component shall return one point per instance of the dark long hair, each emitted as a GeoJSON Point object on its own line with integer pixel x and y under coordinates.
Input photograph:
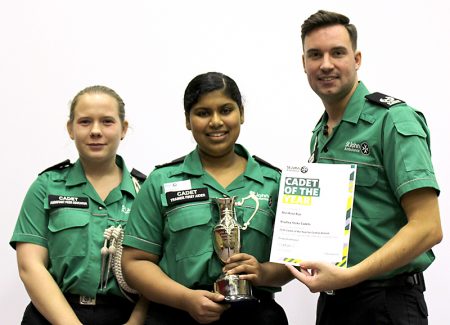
{"type": "Point", "coordinates": [208, 82]}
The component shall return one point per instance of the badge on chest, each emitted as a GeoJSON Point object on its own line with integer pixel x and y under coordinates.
{"type": "Point", "coordinates": [62, 201]}
{"type": "Point", "coordinates": [184, 196]}
{"type": "Point", "coordinates": [182, 192]}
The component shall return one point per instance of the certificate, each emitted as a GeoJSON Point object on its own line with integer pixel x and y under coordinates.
{"type": "Point", "coordinates": [314, 214]}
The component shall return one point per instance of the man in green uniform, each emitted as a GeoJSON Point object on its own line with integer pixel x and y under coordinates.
{"type": "Point", "coordinates": [396, 218]}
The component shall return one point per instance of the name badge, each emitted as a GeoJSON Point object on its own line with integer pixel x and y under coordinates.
{"type": "Point", "coordinates": [177, 186]}
{"type": "Point", "coordinates": [184, 196]}
{"type": "Point", "coordinates": [61, 201]}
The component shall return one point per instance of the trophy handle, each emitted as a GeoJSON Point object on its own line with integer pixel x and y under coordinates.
{"type": "Point", "coordinates": [253, 196]}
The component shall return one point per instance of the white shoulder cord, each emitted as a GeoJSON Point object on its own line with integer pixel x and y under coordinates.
{"type": "Point", "coordinates": [117, 261]}
{"type": "Point", "coordinates": [114, 235]}
{"type": "Point", "coordinates": [104, 252]}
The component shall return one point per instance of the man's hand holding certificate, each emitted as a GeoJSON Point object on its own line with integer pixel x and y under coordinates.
{"type": "Point", "coordinates": [313, 220]}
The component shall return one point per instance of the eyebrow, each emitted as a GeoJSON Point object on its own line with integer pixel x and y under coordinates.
{"type": "Point", "coordinates": [332, 49]}
{"type": "Point", "coordinates": [340, 48]}
{"type": "Point", "coordinates": [102, 117]}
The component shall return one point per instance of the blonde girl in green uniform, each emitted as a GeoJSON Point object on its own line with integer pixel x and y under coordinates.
{"type": "Point", "coordinates": [169, 255]}
{"type": "Point", "coordinates": [69, 229]}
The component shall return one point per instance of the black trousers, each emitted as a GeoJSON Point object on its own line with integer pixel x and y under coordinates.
{"type": "Point", "coordinates": [262, 312]}
{"type": "Point", "coordinates": [103, 314]}
{"type": "Point", "coordinates": [392, 305]}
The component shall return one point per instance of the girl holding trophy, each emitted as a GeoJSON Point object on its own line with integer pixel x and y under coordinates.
{"type": "Point", "coordinates": [198, 240]}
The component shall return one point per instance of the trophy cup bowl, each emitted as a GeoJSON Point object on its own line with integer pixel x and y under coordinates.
{"type": "Point", "coordinates": [227, 236]}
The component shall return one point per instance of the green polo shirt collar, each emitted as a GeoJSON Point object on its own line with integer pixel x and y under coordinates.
{"type": "Point", "coordinates": [192, 164]}
{"type": "Point", "coordinates": [353, 110]}
{"type": "Point", "coordinates": [253, 169]}
{"type": "Point", "coordinates": [76, 176]}
{"type": "Point", "coordinates": [356, 104]}
{"type": "Point", "coordinates": [127, 184]}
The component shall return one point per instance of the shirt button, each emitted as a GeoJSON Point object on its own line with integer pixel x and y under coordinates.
{"type": "Point", "coordinates": [100, 208]}
{"type": "Point", "coordinates": [325, 149]}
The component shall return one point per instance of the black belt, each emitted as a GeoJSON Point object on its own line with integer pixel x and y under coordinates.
{"type": "Point", "coordinates": [262, 294]}
{"type": "Point", "coordinates": [112, 300]}
{"type": "Point", "coordinates": [401, 280]}
{"type": "Point", "coordinates": [256, 292]}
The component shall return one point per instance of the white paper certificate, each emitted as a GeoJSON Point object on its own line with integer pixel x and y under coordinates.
{"type": "Point", "coordinates": [314, 212]}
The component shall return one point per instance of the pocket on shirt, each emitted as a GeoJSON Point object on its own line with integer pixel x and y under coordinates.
{"type": "Point", "coordinates": [366, 176]}
{"type": "Point", "coordinates": [191, 230]}
{"type": "Point", "coordinates": [257, 238]}
{"type": "Point", "coordinates": [414, 138]}
{"type": "Point", "coordinates": [68, 232]}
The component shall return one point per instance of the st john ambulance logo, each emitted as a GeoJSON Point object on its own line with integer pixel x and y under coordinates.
{"type": "Point", "coordinates": [365, 150]}
{"type": "Point", "coordinates": [390, 100]}
{"type": "Point", "coordinates": [362, 147]}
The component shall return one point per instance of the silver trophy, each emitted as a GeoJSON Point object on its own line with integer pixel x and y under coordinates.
{"type": "Point", "coordinates": [227, 242]}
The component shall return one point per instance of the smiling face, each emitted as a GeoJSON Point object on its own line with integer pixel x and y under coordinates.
{"type": "Point", "coordinates": [96, 127]}
{"type": "Point", "coordinates": [215, 121]}
{"type": "Point", "coordinates": [330, 63]}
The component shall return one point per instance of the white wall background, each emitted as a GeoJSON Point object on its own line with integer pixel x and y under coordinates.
{"type": "Point", "coordinates": [149, 50]}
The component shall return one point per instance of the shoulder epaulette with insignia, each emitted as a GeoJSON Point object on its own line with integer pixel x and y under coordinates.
{"type": "Point", "coordinates": [66, 163]}
{"type": "Point", "coordinates": [383, 100]}
{"type": "Point", "coordinates": [136, 173]}
{"type": "Point", "coordinates": [173, 162]}
{"type": "Point", "coordinates": [265, 163]}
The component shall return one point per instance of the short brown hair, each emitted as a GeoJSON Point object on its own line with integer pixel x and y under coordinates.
{"type": "Point", "coordinates": [324, 18]}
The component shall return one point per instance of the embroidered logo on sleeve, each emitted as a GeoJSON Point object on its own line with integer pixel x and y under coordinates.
{"type": "Point", "coordinates": [184, 196]}
{"type": "Point", "coordinates": [61, 201]}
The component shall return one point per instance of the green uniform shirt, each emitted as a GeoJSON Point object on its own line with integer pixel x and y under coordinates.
{"type": "Point", "coordinates": [73, 233]}
{"type": "Point", "coordinates": [182, 234]}
{"type": "Point", "coordinates": [391, 147]}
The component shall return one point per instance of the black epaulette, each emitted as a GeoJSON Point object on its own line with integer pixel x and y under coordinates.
{"type": "Point", "coordinates": [66, 163]}
{"type": "Point", "coordinates": [140, 176]}
{"type": "Point", "coordinates": [265, 163]}
{"type": "Point", "coordinates": [173, 162]}
{"type": "Point", "coordinates": [383, 100]}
